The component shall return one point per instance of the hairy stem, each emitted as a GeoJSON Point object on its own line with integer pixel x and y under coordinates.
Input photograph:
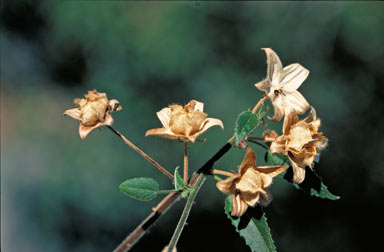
{"type": "Point", "coordinates": [185, 163]}
{"type": "Point", "coordinates": [186, 211]}
{"type": "Point", "coordinates": [138, 150]}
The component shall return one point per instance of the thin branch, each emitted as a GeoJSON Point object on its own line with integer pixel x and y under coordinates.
{"type": "Point", "coordinates": [260, 144]}
{"type": "Point", "coordinates": [225, 173]}
{"type": "Point", "coordinates": [261, 101]}
{"type": "Point", "coordinates": [138, 150]}
{"type": "Point", "coordinates": [185, 163]}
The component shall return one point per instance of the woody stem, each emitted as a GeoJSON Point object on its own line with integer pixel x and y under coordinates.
{"type": "Point", "coordinates": [225, 173]}
{"type": "Point", "coordinates": [254, 138]}
{"type": "Point", "coordinates": [261, 101]}
{"type": "Point", "coordinates": [138, 150]}
{"type": "Point", "coordinates": [185, 163]}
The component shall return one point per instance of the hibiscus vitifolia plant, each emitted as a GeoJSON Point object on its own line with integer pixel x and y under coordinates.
{"type": "Point", "coordinates": [290, 155]}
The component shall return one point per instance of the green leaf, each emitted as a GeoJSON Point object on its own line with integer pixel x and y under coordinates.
{"type": "Point", "coordinates": [277, 159]}
{"type": "Point", "coordinates": [255, 231]}
{"type": "Point", "coordinates": [140, 188]}
{"type": "Point", "coordinates": [312, 183]}
{"type": "Point", "coordinates": [178, 181]}
{"type": "Point", "coordinates": [245, 124]}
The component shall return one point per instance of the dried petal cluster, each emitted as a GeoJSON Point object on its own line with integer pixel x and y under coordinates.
{"type": "Point", "coordinates": [281, 86]}
{"type": "Point", "coordinates": [184, 123]}
{"type": "Point", "coordinates": [249, 186]}
{"type": "Point", "coordinates": [93, 111]}
{"type": "Point", "coordinates": [301, 142]}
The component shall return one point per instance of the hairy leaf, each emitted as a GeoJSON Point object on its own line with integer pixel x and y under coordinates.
{"type": "Point", "coordinates": [245, 124]}
{"type": "Point", "coordinates": [253, 227]}
{"type": "Point", "coordinates": [178, 181]}
{"type": "Point", "coordinates": [140, 188]}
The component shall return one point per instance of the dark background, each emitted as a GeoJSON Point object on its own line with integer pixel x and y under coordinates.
{"type": "Point", "coordinates": [59, 193]}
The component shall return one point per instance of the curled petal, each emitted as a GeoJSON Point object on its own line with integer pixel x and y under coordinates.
{"type": "Point", "coordinates": [74, 113]}
{"type": "Point", "coordinates": [277, 147]}
{"type": "Point", "coordinates": [115, 105]}
{"type": "Point", "coordinates": [208, 123]}
{"type": "Point", "coordinates": [227, 185]}
{"type": "Point", "coordinates": [108, 120]}
{"type": "Point", "coordinates": [273, 64]}
{"type": "Point", "coordinates": [249, 160]}
{"type": "Point", "coordinates": [293, 76]}
{"type": "Point", "coordinates": [264, 86]}
{"type": "Point", "coordinates": [298, 172]}
{"type": "Point", "coordinates": [239, 206]}
{"type": "Point", "coordinates": [312, 116]}
{"type": "Point", "coordinates": [278, 106]}
{"type": "Point", "coordinates": [290, 119]}
{"type": "Point", "coordinates": [163, 132]}
{"type": "Point", "coordinates": [164, 116]}
{"type": "Point", "coordinates": [199, 106]}
{"type": "Point", "coordinates": [270, 171]}
{"type": "Point", "coordinates": [265, 198]}
{"type": "Point", "coordinates": [85, 130]}
{"type": "Point", "coordinates": [294, 100]}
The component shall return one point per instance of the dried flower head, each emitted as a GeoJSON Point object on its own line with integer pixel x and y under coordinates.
{"type": "Point", "coordinates": [281, 86]}
{"type": "Point", "coordinates": [249, 186]}
{"type": "Point", "coordinates": [185, 123]}
{"type": "Point", "coordinates": [93, 111]}
{"type": "Point", "coordinates": [301, 142]}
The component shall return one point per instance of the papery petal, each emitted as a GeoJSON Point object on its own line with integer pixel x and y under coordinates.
{"type": "Point", "coordinates": [298, 172]}
{"type": "Point", "coordinates": [264, 85]}
{"type": "Point", "coordinates": [249, 160]}
{"type": "Point", "coordinates": [265, 198]}
{"type": "Point", "coordinates": [311, 117]}
{"type": "Point", "coordinates": [199, 106]}
{"type": "Point", "coordinates": [293, 76]}
{"type": "Point", "coordinates": [294, 100]}
{"type": "Point", "coordinates": [251, 199]}
{"type": "Point", "coordinates": [274, 65]}
{"type": "Point", "coordinates": [208, 123]}
{"type": "Point", "coordinates": [239, 206]}
{"type": "Point", "coordinates": [271, 170]}
{"type": "Point", "coordinates": [227, 185]}
{"type": "Point", "coordinates": [164, 116]}
{"type": "Point", "coordinates": [74, 113]}
{"type": "Point", "coordinates": [290, 119]}
{"type": "Point", "coordinates": [108, 120]}
{"type": "Point", "coordinates": [277, 148]}
{"type": "Point", "coordinates": [162, 132]}
{"type": "Point", "coordinates": [85, 130]}
{"type": "Point", "coordinates": [278, 108]}
{"type": "Point", "coordinates": [250, 181]}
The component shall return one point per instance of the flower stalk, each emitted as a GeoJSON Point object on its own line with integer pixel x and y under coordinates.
{"type": "Point", "coordinates": [142, 153]}
{"type": "Point", "coordinates": [185, 163]}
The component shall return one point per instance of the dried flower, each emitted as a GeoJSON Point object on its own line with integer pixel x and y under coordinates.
{"type": "Point", "coordinates": [185, 123]}
{"type": "Point", "coordinates": [281, 86]}
{"type": "Point", "coordinates": [249, 186]}
{"type": "Point", "coordinates": [93, 112]}
{"type": "Point", "coordinates": [300, 141]}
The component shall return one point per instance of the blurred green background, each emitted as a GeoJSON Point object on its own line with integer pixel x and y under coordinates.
{"type": "Point", "coordinates": [59, 193]}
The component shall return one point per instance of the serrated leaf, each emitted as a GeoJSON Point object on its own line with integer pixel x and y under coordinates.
{"type": "Point", "coordinates": [312, 183]}
{"type": "Point", "coordinates": [140, 188]}
{"type": "Point", "coordinates": [178, 181]}
{"type": "Point", "coordinates": [255, 231]}
{"type": "Point", "coordinates": [245, 124]}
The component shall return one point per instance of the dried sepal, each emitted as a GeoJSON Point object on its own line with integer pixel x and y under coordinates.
{"type": "Point", "coordinates": [281, 86]}
{"type": "Point", "coordinates": [184, 123]}
{"type": "Point", "coordinates": [94, 111]}
{"type": "Point", "coordinates": [300, 142]}
{"type": "Point", "coordinates": [249, 185]}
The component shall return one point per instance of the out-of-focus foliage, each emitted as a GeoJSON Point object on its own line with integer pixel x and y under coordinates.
{"type": "Point", "coordinates": [60, 193]}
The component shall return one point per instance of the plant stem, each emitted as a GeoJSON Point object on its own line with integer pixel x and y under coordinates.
{"type": "Point", "coordinates": [186, 211]}
{"type": "Point", "coordinates": [185, 163]}
{"type": "Point", "coordinates": [254, 138]}
{"type": "Point", "coordinates": [261, 101]}
{"type": "Point", "coordinates": [138, 150]}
